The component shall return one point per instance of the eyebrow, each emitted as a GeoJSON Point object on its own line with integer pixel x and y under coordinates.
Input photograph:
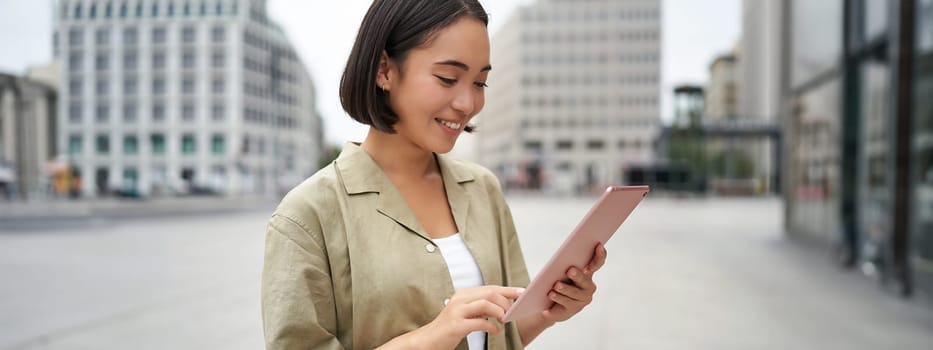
{"type": "Point", "coordinates": [461, 65]}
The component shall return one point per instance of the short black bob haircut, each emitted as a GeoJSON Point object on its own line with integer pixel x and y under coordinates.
{"type": "Point", "coordinates": [396, 26]}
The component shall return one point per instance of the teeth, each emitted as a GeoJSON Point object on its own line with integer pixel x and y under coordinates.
{"type": "Point", "coordinates": [455, 126]}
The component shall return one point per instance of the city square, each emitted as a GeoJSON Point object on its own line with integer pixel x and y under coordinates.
{"type": "Point", "coordinates": [696, 273]}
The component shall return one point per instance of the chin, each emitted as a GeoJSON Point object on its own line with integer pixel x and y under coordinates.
{"type": "Point", "coordinates": [442, 147]}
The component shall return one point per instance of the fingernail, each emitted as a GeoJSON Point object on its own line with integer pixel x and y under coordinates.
{"type": "Point", "coordinates": [573, 272]}
{"type": "Point", "coordinates": [520, 290]}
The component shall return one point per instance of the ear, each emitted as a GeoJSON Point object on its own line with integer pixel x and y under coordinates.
{"type": "Point", "coordinates": [385, 73]}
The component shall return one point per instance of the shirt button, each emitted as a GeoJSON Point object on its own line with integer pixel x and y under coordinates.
{"type": "Point", "coordinates": [430, 248]}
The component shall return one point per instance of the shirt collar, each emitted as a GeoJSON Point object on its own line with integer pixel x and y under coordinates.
{"type": "Point", "coordinates": [361, 174]}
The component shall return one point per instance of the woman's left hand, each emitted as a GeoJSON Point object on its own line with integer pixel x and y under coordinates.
{"type": "Point", "coordinates": [570, 298]}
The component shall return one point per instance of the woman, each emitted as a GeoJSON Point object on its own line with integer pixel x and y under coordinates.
{"type": "Point", "coordinates": [393, 245]}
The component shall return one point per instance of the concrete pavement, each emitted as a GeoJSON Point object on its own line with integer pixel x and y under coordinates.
{"type": "Point", "coordinates": [681, 274]}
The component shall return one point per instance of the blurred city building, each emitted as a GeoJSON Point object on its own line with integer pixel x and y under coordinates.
{"type": "Point", "coordinates": [721, 95]}
{"type": "Point", "coordinates": [856, 77]}
{"type": "Point", "coordinates": [182, 97]}
{"type": "Point", "coordinates": [575, 100]}
{"type": "Point", "coordinates": [28, 127]}
{"type": "Point", "coordinates": [757, 74]}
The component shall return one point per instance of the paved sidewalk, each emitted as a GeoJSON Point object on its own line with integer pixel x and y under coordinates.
{"type": "Point", "coordinates": [688, 274]}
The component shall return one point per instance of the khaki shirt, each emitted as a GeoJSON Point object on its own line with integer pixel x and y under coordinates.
{"type": "Point", "coordinates": [348, 266]}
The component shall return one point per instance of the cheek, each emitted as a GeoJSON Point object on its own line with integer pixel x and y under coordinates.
{"type": "Point", "coordinates": [480, 101]}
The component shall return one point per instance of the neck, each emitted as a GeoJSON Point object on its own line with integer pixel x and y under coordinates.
{"type": "Point", "coordinates": [397, 156]}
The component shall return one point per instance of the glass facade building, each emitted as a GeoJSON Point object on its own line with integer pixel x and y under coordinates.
{"type": "Point", "coordinates": [858, 124]}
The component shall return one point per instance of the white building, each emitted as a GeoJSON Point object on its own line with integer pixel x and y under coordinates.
{"type": "Point", "coordinates": [574, 93]}
{"type": "Point", "coordinates": [759, 74]}
{"type": "Point", "coordinates": [27, 136]}
{"type": "Point", "coordinates": [179, 96]}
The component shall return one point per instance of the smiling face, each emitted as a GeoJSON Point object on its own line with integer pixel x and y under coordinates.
{"type": "Point", "coordinates": [440, 85]}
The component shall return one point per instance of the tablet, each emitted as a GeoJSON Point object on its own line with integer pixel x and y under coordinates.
{"type": "Point", "coordinates": [603, 219]}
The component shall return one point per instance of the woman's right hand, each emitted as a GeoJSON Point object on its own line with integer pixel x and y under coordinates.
{"type": "Point", "coordinates": [466, 311]}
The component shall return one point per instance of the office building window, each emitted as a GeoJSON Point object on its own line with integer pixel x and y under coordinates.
{"type": "Point", "coordinates": [188, 145]}
{"type": "Point", "coordinates": [139, 10]}
{"type": "Point", "coordinates": [170, 10]}
{"type": "Point", "coordinates": [158, 86]}
{"type": "Point", "coordinates": [130, 36]}
{"type": "Point", "coordinates": [123, 10]}
{"type": "Point", "coordinates": [155, 10]}
{"type": "Point", "coordinates": [130, 60]}
{"type": "Point", "coordinates": [103, 87]}
{"type": "Point", "coordinates": [187, 85]}
{"type": "Point", "coordinates": [217, 112]}
{"type": "Point", "coordinates": [103, 144]}
{"type": "Point", "coordinates": [102, 114]}
{"type": "Point", "coordinates": [218, 34]}
{"type": "Point", "coordinates": [158, 60]}
{"type": "Point", "coordinates": [130, 145]}
{"type": "Point", "coordinates": [102, 61]}
{"type": "Point", "coordinates": [187, 11]}
{"type": "Point", "coordinates": [75, 61]}
{"type": "Point", "coordinates": [533, 145]}
{"type": "Point", "coordinates": [218, 60]}
{"type": "Point", "coordinates": [158, 112]}
{"type": "Point", "coordinates": [78, 12]}
{"type": "Point", "coordinates": [129, 85]}
{"type": "Point", "coordinates": [218, 144]}
{"type": "Point", "coordinates": [217, 86]}
{"type": "Point", "coordinates": [75, 115]}
{"type": "Point", "coordinates": [187, 111]}
{"type": "Point", "coordinates": [188, 35]}
{"type": "Point", "coordinates": [158, 35]}
{"type": "Point", "coordinates": [75, 37]}
{"type": "Point", "coordinates": [102, 37]}
{"type": "Point", "coordinates": [129, 112]}
{"type": "Point", "coordinates": [203, 9]}
{"type": "Point", "coordinates": [75, 145]}
{"type": "Point", "coordinates": [595, 145]}
{"type": "Point", "coordinates": [108, 10]}
{"type": "Point", "coordinates": [564, 145]}
{"type": "Point", "coordinates": [92, 14]}
{"type": "Point", "coordinates": [188, 60]}
{"type": "Point", "coordinates": [157, 142]}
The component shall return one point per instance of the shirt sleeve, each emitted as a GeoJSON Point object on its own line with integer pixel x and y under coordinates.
{"type": "Point", "coordinates": [298, 309]}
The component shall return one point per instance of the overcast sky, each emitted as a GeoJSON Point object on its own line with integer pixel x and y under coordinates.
{"type": "Point", "coordinates": [694, 32]}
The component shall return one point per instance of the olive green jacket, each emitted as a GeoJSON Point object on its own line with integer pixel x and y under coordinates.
{"type": "Point", "coordinates": [348, 266]}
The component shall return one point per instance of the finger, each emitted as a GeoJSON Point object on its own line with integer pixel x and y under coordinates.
{"type": "Point", "coordinates": [467, 295]}
{"type": "Point", "coordinates": [580, 279]}
{"type": "Point", "coordinates": [573, 292]}
{"type": "Point", "coordinates": [482, 309]}
{"type": "Point", "coordinates": [599, 259]}
{"type": "Point", "coordinates": [566, 301]}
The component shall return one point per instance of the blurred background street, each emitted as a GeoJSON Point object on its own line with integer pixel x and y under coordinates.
{"type": "Point", "coordinates": [682, 274]}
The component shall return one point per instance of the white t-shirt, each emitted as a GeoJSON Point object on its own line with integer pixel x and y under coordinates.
{"type": "Point", "coordinates": [464, 272]}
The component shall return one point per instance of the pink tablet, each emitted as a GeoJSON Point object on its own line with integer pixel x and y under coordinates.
{"type": "Point", "coordinates": [603, 219]}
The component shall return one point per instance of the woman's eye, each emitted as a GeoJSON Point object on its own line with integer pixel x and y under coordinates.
{"type": "Point", "coordinates": [446, 81]}
{"type": "Point", "coordinates": [481, 85]}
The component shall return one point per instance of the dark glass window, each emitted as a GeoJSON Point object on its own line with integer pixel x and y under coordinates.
{"type": "Point", "coordinates": [158, 143]}
{"type": "Point", "coordinates": [103, 144]}
{"type": "Point", "coordinates": [130, 144]}
{"type": "Point", "coordinates": [188, 144]}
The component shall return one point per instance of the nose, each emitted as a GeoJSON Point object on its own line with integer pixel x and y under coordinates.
{"type": "Point", "coordinates": [464, 102]}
